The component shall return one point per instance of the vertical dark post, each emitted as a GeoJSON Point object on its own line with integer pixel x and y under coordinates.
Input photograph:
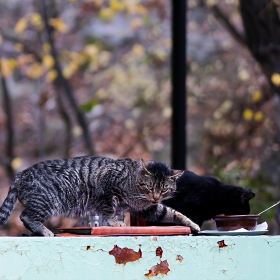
{"type": "Point", "coordinates": [178, 80]}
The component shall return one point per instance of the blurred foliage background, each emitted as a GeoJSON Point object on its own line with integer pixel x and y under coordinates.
{"type": "Point", "coordinates": [93, 77]}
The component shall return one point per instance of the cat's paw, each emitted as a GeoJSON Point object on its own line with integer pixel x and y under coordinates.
{"type": "Point", "coordinates": [47, 233]}
{"type": "Point", "coordinates": [195, 227]}
{"type": "Point", "coordinates": [117, 224]}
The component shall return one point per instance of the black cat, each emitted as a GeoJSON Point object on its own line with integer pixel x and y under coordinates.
{"type": "Point", "coordinates": [202, 197]}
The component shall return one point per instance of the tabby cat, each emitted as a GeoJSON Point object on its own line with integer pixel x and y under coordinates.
{"type": "Point", "coordinates": [82, 186]}
{"type": "Point", "coordinates": [202, 197]}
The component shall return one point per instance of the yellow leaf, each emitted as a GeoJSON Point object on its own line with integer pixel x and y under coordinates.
{"type": "Point", "coordinates": [140, 9]}
{"type": "Point", "coordinates": [21, 25]}
{"type": "Point", "coordinates": [16, 163]}
{"type": "Point", "coordinates": [51, 76]}
{"type": "Point", "coordinates": [36, 19]}
{"type": "Point", "coordinates": [116, 5]}
{"type": "Point", "coordinates": [25, 58]}
{"type": "Point", "coordinates": [46, 48]}
{"type": "Point", "coordinates": [77, 131]}
{"type": "Point", "coordinates": [248, 114]}
{"type": "Point", "coordinates": [18, 47]}
{"type": "Point", "coordinates": [70, 69]}
{"type": "Point", "coordinates": [106, 14]}
{"type": "Point", "coordinates": [48, 61]}
{"type": "Point", "coordinates": [91, 50]}
{"type": "Point", "coordinates": [257, 95]}
{"type": "Point", "coordinates": [135, 23]}
{"type": "Point", "coordinates": [138, 49]}
{"type": "Point", "coordinates": [6, 69]}
{"type": "Point", "coordinates": [104, 58]}
{"type": "Point", "coordinates": [12, 63]}
{"type": "Point", "coordinates": [58, 25]}
{"type": "Point", "coordinates": [243, 75]}
{"type": "Point", "coordinates": [78, 57]}
{"type": "Point", "coordinates": [258, 116]}
{"type": "Point", "coordinates": [275, 79]}
{"type": "Point", "coordinates": [35, 70]}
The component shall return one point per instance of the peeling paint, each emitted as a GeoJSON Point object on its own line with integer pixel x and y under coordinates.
{"type": "Point", "coordinates": [125, 255]}
{"type": "Point", "coordinates": [159, 252]}
{"type": "Point", "coordinates": [56, 258]}
{"type": "Point", "coordinates": [221, 244]}
{"type": "Point", "coordinates": [161, 268]}
{"type": "Point", "coordinates": [179, 258]}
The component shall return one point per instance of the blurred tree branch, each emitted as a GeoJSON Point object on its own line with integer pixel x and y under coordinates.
{"type": "Point", "coordinates": [262, 27]}
{"type": "Point", "coordinates": [25, 44]}
{"type": "Point", "coordinates": [65, 116]}
{"type": "Point", "coordinates": [9, 128]}
{"type": "Point", "coordinates": [63, 83]}
{"type": "Point", "coordinates": [224, 19]}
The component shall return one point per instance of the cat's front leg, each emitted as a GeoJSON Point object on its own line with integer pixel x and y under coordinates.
{"type": "Point", "coordinates": [163, 214]}
{"type": "Point", "coordinates": [109, 214]}
{"type": "Point", "coordinates": [32, 222]}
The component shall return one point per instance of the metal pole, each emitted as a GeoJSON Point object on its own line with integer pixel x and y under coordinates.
{"type": "Point", "coordinates": [178, 80]}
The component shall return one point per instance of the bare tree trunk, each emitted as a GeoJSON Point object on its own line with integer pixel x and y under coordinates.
{"type": "Point", "coordinates": [262, 29]}
{"type": "Point", "coordinates": [64, 84]}
{"type": "Point", "coordinates": [68, 125]}
{"type": "Point", "coordinates": [9, 129]}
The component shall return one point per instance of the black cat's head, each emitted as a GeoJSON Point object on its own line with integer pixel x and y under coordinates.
{"type": "Point", "coordinates": [238, 201]}
{"type": "Point", "coordinates": [157, 181]}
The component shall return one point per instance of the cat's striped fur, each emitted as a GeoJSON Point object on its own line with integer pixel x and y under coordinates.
{"type": "Point", "coordinates": [81, 186]}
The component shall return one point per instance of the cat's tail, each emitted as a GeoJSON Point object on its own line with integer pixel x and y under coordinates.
{"type": "Point", "coordinates": [9, 202]}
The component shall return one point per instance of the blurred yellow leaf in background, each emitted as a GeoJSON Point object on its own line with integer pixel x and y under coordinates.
{"type": "Point", "coordinates": [138, 49]}
{"type": "Point", "coordinates": [248, 114]}
{"type": "Point", "coordinates": [140, 9]}
{"type": "Point", "coordinates": [48, 61]}
{"type": "Point", "coordinates": [25, 58]}
{"type": "Point", "coordinates": [258, 116]}
{"type": "Point", "coordinates": [51, 76]}
{"type": "Point", "coordinates": [20, 25]}
{"type": "Point", "coordinates": [12, 63]}
{"type": "Point", "coordinates": [91, 50]}
{"type": "Point", "coordinates": [35, 70]}
{"type": "Point", "coordinates": [36, 19]}
{"type": "Point", "coordinates": [46, 47]}
{"type": "Point", "coordinates": [6, 69]}
{"type": "Point", "coordinates": [116, 5]}
{"type": "Point", "coordinates": [135, 23]}
{"type": "Point", "coordinates": [257, 95]}
{"type": "Point", "coordinates": [58, 25]}
{"type": "Point", "coordinates": [106, 14]}
{"type": "Point", "coordinates": [275, 79]}
{"type": "Point", "coordinates": [16, 163]}
{"type": "Point", "coordinates": [19, 47]}
{"type": "Point", "coordinates": [70, 69]}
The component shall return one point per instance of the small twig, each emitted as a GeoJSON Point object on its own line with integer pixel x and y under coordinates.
{"type": "Point", "coordinates": [65, 84]}
{"type": "Point", "coordinates": [219, 14]}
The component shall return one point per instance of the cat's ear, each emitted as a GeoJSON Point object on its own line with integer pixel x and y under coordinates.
{"type": "Point", "coordinates": [176, 174]}
{"type": "Point", "coordinates": [247, 195]}
{"type": "Point", "coordinates": [144, 165]}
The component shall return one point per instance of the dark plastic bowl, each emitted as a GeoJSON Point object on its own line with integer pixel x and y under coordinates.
{"type": "Point", "coordinates": [233, 222]}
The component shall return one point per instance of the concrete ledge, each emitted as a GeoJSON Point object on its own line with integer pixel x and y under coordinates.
{"type": "Point", "coordinates": [158, 257]}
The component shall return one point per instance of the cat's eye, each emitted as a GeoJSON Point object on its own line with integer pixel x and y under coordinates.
{"type": "Point", "coordinates": [150, 187]}
{"type": "Point", "coordinates": [164, 189]}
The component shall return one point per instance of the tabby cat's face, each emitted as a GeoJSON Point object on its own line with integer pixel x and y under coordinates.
{"type": "Point", "coordinates": [157, 181]}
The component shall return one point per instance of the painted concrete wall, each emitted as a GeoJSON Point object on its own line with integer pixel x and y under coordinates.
{"type": "Point", "coordinates": [113, 258]}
